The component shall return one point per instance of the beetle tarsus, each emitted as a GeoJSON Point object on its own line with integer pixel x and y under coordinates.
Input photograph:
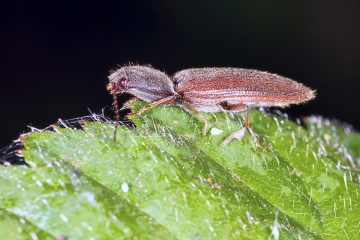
{"type": "Point", "coordinates": [239, 134]}
{"type": "Point", "coordinates": [255, 138]}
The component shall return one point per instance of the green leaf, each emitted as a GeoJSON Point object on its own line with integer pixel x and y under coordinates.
{"type": "Point", "coordinates": [167, 180]}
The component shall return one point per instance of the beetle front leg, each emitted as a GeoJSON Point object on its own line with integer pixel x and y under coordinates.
{"type": "Point", "coordinates": [168, 100]}
{"type": "Point", "coordinates": [128, 103]}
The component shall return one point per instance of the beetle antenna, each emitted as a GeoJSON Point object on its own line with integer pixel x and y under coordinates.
{"type": "Point", "coordinates": [117, 116]}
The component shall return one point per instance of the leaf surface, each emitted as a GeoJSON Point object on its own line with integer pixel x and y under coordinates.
{"type": "Point", "coordinates": [167, 180]}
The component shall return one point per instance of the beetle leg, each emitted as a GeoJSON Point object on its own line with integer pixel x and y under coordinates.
{"type": "Point", "coordinates": [238, 134]}
{"type": "Point", "coordinates": [189, 107]}
{"type": "Point", "coordinates": [167, 100]}
{"type": "Point", "coordinates": [129, 102]}
{"type": "Point", "coordinates": [247, 125]}
{"type": "Point", "coordinates": [117, 116]}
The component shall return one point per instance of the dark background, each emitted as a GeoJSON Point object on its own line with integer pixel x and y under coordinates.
{"type": "Point", "coordinates": [55, 55]}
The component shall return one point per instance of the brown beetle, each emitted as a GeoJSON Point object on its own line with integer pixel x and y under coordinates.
{"type": "Point", "coordinates": [208, 90]}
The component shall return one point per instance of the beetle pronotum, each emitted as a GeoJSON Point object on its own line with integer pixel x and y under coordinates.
{"type": "Point", "coordinates": [208, 90]}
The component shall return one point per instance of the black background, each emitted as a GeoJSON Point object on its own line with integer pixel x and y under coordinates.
{"type": "Point", "coordinates": [55, 55]}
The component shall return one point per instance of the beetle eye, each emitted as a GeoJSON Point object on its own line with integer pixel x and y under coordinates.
{"type": "Point", "coordinates": [123, 82]}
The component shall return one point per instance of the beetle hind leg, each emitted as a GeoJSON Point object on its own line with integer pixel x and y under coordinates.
{"type": "Point", "coordinates": [240, 133]}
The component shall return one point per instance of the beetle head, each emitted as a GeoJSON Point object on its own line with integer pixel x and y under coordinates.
{"type": "Point", "coordinates": [118, 82]}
